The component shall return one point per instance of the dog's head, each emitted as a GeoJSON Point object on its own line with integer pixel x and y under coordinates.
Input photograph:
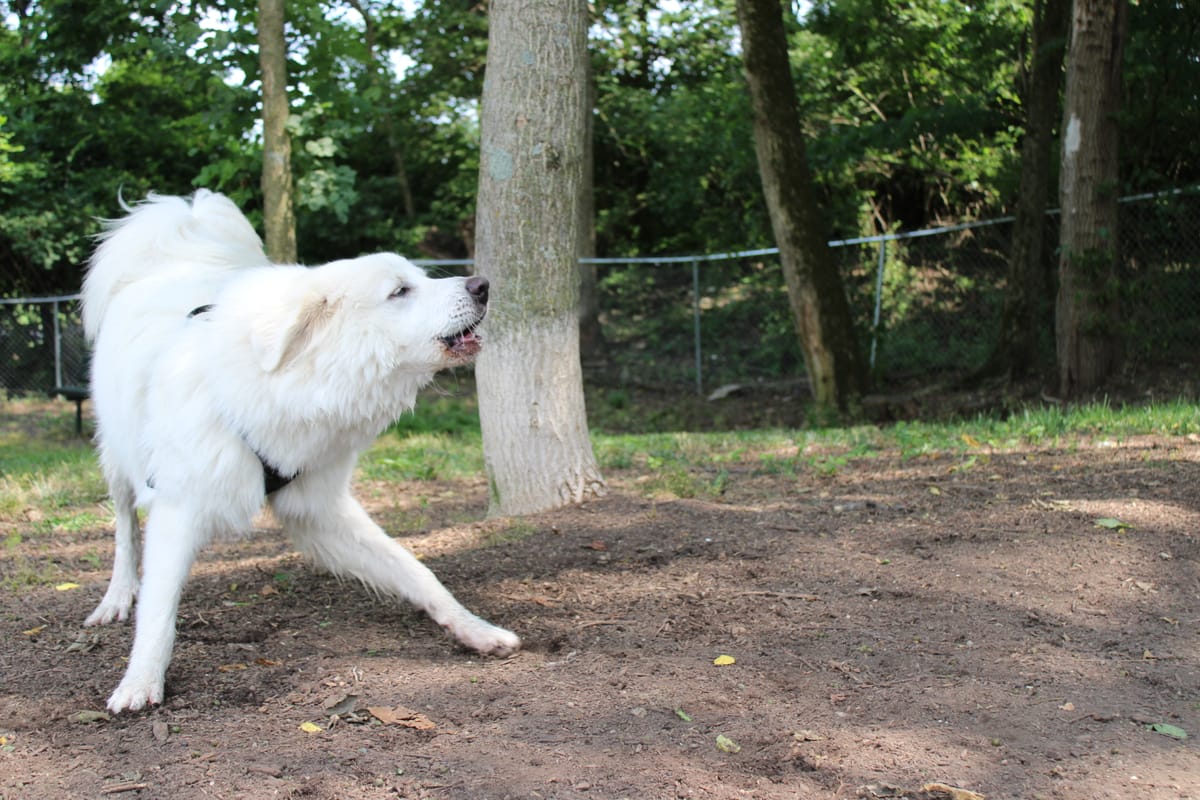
{"type": "Point", "coordinates": [373, 316]}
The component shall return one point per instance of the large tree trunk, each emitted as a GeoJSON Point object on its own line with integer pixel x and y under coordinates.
{"type": "Point", "coordinates": [1087, 307]}
{"type": "Point", "coordinates": [533, 119]}
{"type": "Point", "coordinates": [279, 220]}
{"type": "Point", "coordinates": [1026, 298]}
{"type": "Point", "coordinates": [818, 300]}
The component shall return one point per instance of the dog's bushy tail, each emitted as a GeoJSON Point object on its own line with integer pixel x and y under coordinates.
{"type": "Point", "coordinates": [167, 235]}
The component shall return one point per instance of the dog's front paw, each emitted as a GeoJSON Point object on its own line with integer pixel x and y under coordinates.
{"type": "Point", "coordinates": [111, 610]}
{"type": "Point", "coordinates": [134, 695]}
{"type": "Point", "coordinates": [484, 637]}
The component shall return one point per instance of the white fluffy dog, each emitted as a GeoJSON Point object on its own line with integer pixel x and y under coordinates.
{"type": "Point", "coordinates": [220, 379]}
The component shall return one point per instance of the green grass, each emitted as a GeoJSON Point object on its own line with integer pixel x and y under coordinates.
{"type": "Point", "coordinates": [441, 441]}
{"type": "Point", "coordinates": [47, 475]}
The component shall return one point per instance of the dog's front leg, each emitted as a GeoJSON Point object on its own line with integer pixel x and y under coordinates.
{"type": "Point", "coordinates": [345, 540]}
{"type": "Point", "coordinates": [171, 543]}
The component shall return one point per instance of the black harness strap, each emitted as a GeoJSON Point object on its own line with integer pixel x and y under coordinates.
{"type": "Point", "coordinates": [273, 479]}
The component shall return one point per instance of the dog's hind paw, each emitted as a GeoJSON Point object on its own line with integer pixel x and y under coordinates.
{"type": "Point", "coordinates": [135, 695]}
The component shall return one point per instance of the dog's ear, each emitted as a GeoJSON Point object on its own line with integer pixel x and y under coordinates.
{"type": "Point", "coordinates": [279, 335]}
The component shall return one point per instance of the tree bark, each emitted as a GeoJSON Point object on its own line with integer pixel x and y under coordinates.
{"type": "Point", "coordinates": [279, 220]}
{"type": "Point", "coordinates": [1026, 297]}
{"type": "Point", "coordinates": [1088, 299]}
{"type": "Point", "coordinates": [818, 301]}
{"type": "Point", "coordinates": [533, 118]}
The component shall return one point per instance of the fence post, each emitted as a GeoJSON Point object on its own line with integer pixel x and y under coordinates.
{"type": "Point", "coordinates": [696, 326]}
{"type": "Point", "coordinates": [878, 299]}
{"type": "Point", "coordinates": [58, 381]}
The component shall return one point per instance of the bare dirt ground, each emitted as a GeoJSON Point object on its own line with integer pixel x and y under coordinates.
{"type": "Point", "coordinates": [894, 626]}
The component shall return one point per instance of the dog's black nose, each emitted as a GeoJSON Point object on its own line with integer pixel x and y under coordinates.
{"type": "Point", "coordinates": [477, 287]}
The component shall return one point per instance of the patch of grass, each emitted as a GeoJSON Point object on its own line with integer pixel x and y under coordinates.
{"type": "Point", "coordinates": [25, 573]}
{"type": "Point", "coordinates": [438, 412]}
{"type": "Point", "coordinates": [516, 531]}
{"type": "Point", "coordinates": [682, 463]}
{"type": "Point", "coordinates": [423, 457]}
{"type": "Point", "coordinates": [48, 475]}
{"type": "Point", "coordinates": [1046, 425]}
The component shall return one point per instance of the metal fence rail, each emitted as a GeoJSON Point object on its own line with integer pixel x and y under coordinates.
{"type": "Point", "coordinates": [925, 303]}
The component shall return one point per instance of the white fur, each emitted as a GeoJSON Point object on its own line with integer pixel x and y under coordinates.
{"type": "Point", "coordinates": [299, 367]}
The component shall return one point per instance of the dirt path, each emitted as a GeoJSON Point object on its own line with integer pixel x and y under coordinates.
{"type": "Point", "coordinates": [897, 624]}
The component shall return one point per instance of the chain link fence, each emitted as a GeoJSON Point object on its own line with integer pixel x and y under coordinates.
{"type": "Point", "coordinates": [926, 305]}
{"type": "Point", "coordinates": [42, 347]}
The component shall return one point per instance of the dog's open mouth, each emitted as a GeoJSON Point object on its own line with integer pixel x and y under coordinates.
{"type": "Point", "coordinates": [464, 344]}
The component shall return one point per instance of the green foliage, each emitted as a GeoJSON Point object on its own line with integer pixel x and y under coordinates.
{"type": "Point", "coordinates": [912, 113]}
{"type": "Point", "coordinates": [912, 106]}
{"type": "Point", "coordinates": [675, 164]}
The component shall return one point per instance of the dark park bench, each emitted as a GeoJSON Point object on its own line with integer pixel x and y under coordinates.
{"type": "Point", "coordinates": [76, 394]}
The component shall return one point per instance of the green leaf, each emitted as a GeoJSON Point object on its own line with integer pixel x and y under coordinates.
{"type": "Point", "coordinates": [1168, 730]}
{"type": "Point", "coordinates": [727, 745]}
{"type": "Point", "coordinates": [1112, 524]}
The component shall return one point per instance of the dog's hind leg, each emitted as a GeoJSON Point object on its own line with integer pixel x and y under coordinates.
{"type": "Point", "coordinates": [172, 541]}
{"type": "Point", "coordinates": [346, 541]}
{"type": "Point", "coordinates": [122, 587]}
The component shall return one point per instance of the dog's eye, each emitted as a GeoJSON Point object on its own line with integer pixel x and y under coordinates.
{"type": "Point", "coordinates": [400, 291]}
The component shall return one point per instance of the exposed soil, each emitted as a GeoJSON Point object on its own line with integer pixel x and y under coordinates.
{"type": "Point", "coordinates": [894, 625]}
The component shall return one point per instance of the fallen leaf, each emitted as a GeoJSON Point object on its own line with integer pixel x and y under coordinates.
{"type": "Point", "coordinates": [231, 667]}
{"type": "Point", "coordinates": [1067, 707]}
{"type": "Point", "coordinates": [84, 643]}
{"type": "Point", "coordinates": [971, 441]}
{"type": "Point", "coordinates": [724, 661]}
{"type": "Point", "coordinates": [66, 587]}
{"type": "Point", "coordinates": [34, 631]}
{"type": "Point", "coordinates": [88, 717]}
{"type": "Point", "coordinates": [808, 736]}
{"type": "Point", "coordinates": [402, 716]}
{"type": "Point", "coordinates": [309, 727]}
{"type": "Point", "coordinates": [160, 730]}
{"type": "Point", "coordinates": [683, 715]}
{"type": "Point", "coordinates": [727, 745]}
{"type": "Point", "coordinates": [340, 705]}
{"type": "Point", "coordinates": [1112, 524]}
{"type": "Point", "coordinates": [1169, 730]}
{"type": "Point", "coordinates": [266, 662]}
{"type": "Point", "coordinates": [596, 545]}
{"type": "Point", "coordinates": [934, 490]}
{"type": "Point", "coordinates": [953, 792]}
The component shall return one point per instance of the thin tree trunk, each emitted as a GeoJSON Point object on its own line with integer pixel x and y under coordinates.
{"type": "Point", "coordinates": [279, 221]}
{"type": "Point", "coordinates": [591, 337]}
{"type": "Point", "coordinates": [370, 37]}
{"type": "Point", "coordinates": [819, 307]}
{"type": "Point", "coordinates": [1088, 310]}
{"type": "Point", "coordinates": [1026, 302]}
{"type": "Point", "coordinates": [531, 406]}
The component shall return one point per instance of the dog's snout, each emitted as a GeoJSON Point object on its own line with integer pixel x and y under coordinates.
{"type": "Point", "coordinates": [477, 287]}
